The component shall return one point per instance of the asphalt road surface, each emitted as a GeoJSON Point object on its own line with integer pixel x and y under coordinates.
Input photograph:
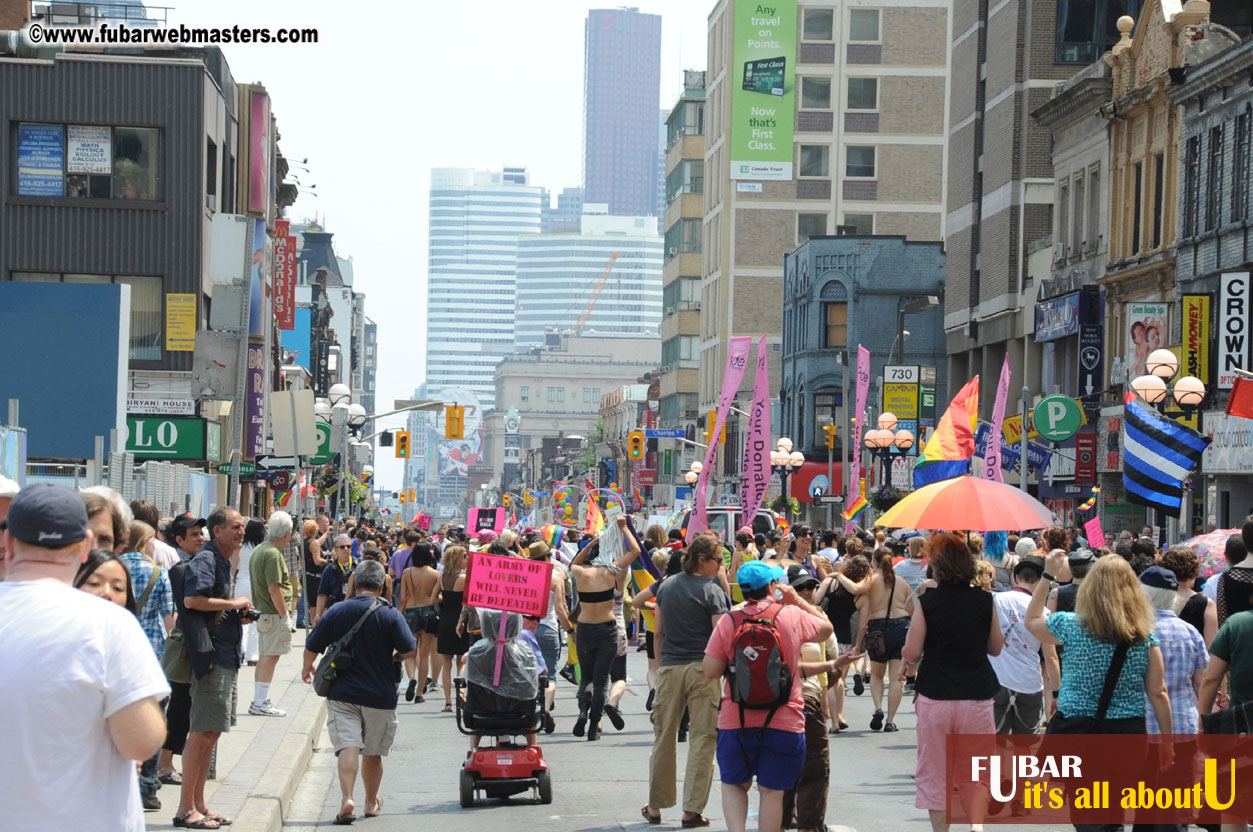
{"type": "Point", "coordinates": [602, 785]}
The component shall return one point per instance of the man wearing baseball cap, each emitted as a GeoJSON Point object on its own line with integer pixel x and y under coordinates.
{"type": "Point", "coordinates": [766, 744]}
{"type": "Point", "coordinates": [8, 490]}
{"type": "Point", "coordinates": [69, 658]}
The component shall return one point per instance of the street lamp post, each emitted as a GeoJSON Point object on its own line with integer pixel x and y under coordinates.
{"type": "Point", "coordinates": [887, 442]}
{"type": "Point", "coordinates": [783, 461]}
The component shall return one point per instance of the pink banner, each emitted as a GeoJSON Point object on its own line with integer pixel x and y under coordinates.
{"type": "Point", "coordinates": [423, 522]}
{"type": "Point", "coordinates": [509, 584]}
{"type": "Point", "coordinates": [737, 363]}
{"type": "Point", "coordinates": [756, 477]}
{"type": "Point", "coordinates": [1096, 535]}
{"type": "Point", "coordinates": [992, 456]}
{"type": "Point", "coordinates": [486, 519]}
{"type": "Point", "coordinates": [863, 388]}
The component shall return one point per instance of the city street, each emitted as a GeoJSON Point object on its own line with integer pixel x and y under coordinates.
{"type": "Point", "coordinates": [601, 785]}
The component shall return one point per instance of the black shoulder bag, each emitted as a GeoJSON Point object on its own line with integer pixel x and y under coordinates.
{"type": "Point", "coordinates": [1061, 724]}
{"type": "Point", "coordinates": [876, 638]}
{"type": "Point", "coordinates": [338, 657]}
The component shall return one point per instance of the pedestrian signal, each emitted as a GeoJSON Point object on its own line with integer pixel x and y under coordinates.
{"type": "Point", "coordinates": [635, 444]}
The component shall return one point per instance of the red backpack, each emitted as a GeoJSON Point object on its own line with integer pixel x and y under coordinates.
{"type": "Point", "coordinates": [758, 674]}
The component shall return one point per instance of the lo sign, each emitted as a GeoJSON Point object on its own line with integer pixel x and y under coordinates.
{"type": "Point", "coordinates": [1057, 418]}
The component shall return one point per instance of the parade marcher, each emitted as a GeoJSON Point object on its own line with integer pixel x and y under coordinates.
{"type": "Point", "coordinates": [840, 605]}
{"type": "Point", "coordinates": [1193, 607]}
{"type": "Point", "coordinates": [448, 594]}
{"type": "Point", "coordinates": [1235, 587]}
{"type": "Point", "coordinates": [74, 662]}
{"type": "Point", "coordinates": [1019, 704]}
{"type": "Point", "coordinates": [361, 704]}
{"type": "Point", "coordinates": [1078, 563]}
{"type": "Point", "coordinates": [272, 594]}
{"type": "Point", "coordinates": [418, 585]}
{"type": "Point", "coordinates": [162, 553]}
{"type": "Point", "coordinates": [548, 630]}
{"type": "Point", "coordinates": [333, 586]}
{"type": "Point", "coordinates": [1184, 655]}
{"type": "Point", "coordinates": [884, 622]}
{"type": "Point", "coordinates": [186, 534]}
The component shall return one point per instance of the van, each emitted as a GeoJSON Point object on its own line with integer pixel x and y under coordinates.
{"type": "Point", "coordinates": [724, 521]}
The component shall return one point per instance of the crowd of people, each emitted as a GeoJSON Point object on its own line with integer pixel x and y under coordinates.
{"type": "Point", "coordinates": [753, 646]}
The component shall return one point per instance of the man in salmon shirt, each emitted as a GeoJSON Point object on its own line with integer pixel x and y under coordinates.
{"type": "Point", "coordinates": [761, 742]}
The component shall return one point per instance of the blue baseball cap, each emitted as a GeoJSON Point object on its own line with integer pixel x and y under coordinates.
{"type": "Point", "coordinates": [47, 515]}
{"type": "Point", "coordinates": [755, 574]}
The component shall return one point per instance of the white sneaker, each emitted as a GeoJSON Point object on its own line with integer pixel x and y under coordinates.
{"type": "Point", "coordinates": [266, 708]}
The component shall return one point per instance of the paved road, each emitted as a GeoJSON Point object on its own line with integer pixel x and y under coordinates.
{"type": "Point", "coordinates": [601, 785]}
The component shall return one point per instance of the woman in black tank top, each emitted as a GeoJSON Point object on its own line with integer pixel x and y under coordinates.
{"type": "Point", "coordinates": [1199, 611]}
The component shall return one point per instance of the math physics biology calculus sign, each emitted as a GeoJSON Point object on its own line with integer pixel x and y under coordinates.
{"type": "Point", "coordinates": [763, 92]}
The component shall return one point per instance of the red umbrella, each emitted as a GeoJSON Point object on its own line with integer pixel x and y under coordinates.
{"type": "Point", "coordinates": [968, 504]}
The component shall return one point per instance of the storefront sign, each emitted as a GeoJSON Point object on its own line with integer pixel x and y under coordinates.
{"type": "Point", "coordinates": [173, 437]}
{"type": "Point", "coordinates": [1085, 457]}
{"type": "Point", "coordinates": [926, 403]}
{"type": "Point", "coordinates": [1233, 327]}
{"type": "Point", "coordinates": [1057, 318]}
{"type": "Point", "coordinates": [1195, 351]}
{"type": "Point", "coordinates": [763, 90]}
{"type": "Point", "coordinates": [41, 160]}
{"type": "Point", "coordinates": [159, 405]}
{"type": "Point", "coordinates": [89, 150]}
{"type": "Point", "coordinates": [254, 399]}
{"type": "Point", "coordinates": [1091, 359]}
{"type": "Point", "coordinates": [901, 400]}
{"type": "Point", "coordinates": [284, 275]}
{"type": "Point", "coordinates": [1109, 440]}
{"type": "Point", "coordinates": [1146, 332]}
{"type": "Point", "coordinates": [258, 152]}
{"type": "Point", "coordinates": [1231, 451]}
{"type": "Point", "coordinates": [180, 322]}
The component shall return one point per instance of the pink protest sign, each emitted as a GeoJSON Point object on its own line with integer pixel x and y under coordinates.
{"type": "Point", "coordinates": [486, 518]}
{"type": "Point", "coordinates": [1096, 535]}
{"type": "Point", "coordinates": [423, 521]}
{"type": "Point", "coordinates": [511, 584]}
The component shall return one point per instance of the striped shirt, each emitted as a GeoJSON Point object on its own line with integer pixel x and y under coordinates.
{"type": "Point", "coordinates": [160, 601]}
{"type": "Point", "coordinates": [1183, 652]}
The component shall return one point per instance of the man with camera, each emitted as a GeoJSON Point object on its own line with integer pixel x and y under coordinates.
{"type": "Point", "coordinates": [213, 633]}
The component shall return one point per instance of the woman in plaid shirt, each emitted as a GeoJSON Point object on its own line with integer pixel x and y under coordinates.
{"type": "Point", "coordinates": [156, 613]}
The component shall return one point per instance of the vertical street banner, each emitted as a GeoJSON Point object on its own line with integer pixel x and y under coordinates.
{"type": "Point", "coordinates": [284, 275]}
{"type": "Point", "coordinates": [1195, 352]}
{"type": "Point", "coordinates": [756, 479]}
{"type": "Point", "coordinates": [863, 388]}
{"type": "Point", "coordinates": [1233, 327]}
{"type": "Point", "coordinates": [763, 89]}
{"type": "Point", "coordinates": [737, 363]}
{"type": "Point", "coordinates": [992, 458]}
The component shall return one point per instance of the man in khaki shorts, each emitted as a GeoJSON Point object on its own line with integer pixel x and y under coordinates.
{"type": "Point", "coordinates": [361, 705]}
{"type": "Point", "coordinates": [273, 596]}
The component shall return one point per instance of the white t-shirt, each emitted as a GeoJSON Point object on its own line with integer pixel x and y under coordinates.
{"type": "Point", "coordinates": [1018, 665]}
{"type": "Point", "coordinates": [70, 660]}
{"type": "Point", "coordinates": [165, 555]}
{"type": "Point", "coordinates": [1210, 588]}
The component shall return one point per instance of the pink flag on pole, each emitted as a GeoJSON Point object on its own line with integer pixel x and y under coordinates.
{"type": "Point", "coordinates": [737, 363]}
{"type": "Point", "coordinates": [992, 456]}
{"type": "Point", "coordinates": [863, 387]}
{"type": "Point", "coordinates": [1096, 535]}
{"type": "Point", "coordinates": [756, 479]}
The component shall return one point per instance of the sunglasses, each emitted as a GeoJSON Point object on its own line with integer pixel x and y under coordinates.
{"type": "Point", "coordinates": [804, 534]}
{"type": "Point", "coordinates": [344, 546]}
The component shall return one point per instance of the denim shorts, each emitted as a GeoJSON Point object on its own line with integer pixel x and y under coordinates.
{"type": "Point", "coordinates": [550, 647]}
{"type": "Point", "coordinates": [775, 757]}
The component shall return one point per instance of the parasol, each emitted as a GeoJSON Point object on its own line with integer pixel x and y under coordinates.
{"type": "Point", "coordinates": [969, 504]}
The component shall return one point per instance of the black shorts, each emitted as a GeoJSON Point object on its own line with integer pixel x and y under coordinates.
{"type": "Point", "coordinates": [649, 649]}
{"type": "Point", "coordinates": [617, 670]}
{"type": "Point", "coordinates": [897, 629]}
{"type": "Point", "coordinates": [422, 620]}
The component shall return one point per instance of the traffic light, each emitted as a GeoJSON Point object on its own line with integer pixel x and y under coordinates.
{"type": "Point", "coordinates": [507, 499]}
{"type": "Point", "coordinates": [403, 495]}
{"type": "Point", "coordinates": [527, 498]}
{"type": "Point", "coordinates": [402, 444]}
{"type": "Point", "coordinates": [413, 495]}
{"type": "Point", "coordinates": [635, 444]}
{"type": "Point", "coordinates": [710, 421]}
{"type": "Point", "coordinates": [829, 430]}
{"type": "Point", "coordinates": [385, 439]}
{"type": "Point", "coordinates": [454, 422]}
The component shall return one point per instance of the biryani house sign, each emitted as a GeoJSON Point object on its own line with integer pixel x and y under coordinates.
{"type": "Point", "coordinates": [1231, 448]}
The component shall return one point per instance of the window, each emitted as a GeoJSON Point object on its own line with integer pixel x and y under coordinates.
{"type": "Point", "coordinates": [835, 331]}
{"type": "Point", "coordinates": [587, 394]}
{"type": "Point", "coordinates": [815, 160]}
{"type": "Point", "coordinates": [561, 394]}
{"type": "Point", "coordinates": [87, 161]}
{"type": "Point", "coordinates": [1088, 28]}
{"type": "Point", "coordinates": [1094, 208]}
{"type": "Point", "coordinates": [863, 94]}
{"type": "Point", "coordinates": [818, 24]}
{"type": "Point", "coordinates": [683, 237]}
{"type": "Point", "coordinates": [1214, 180]}
{"type": "Point", "coordinates": [1191, 184]}
{"type": "Point", "coordinates": [1078, 217]}
{"type": "Point", "coordinates": [1240, 168]}
{"type": "Point", "coordinates": [1135, 208]}
{"type": "Point", "coordinates": [526, 393]}
{"type": "Point", "coordinates": [596, 394]}
{"type": "Point", "coordinates": [810, 225]}
{"type": "Point", "coordinates": [860, 223]}
{"type": "Point", "coordinates": [859, 161]}
{"type": "Point", "coordinates": [863, 25]}
{"type": "Point", "coordinates": [147, 306]}
{"type": "Point", "coordinates": [211, 169]}
{"type": "Point", "coordinates": [552, 394]}
{"type": "Point", "coordinates": [815, 93]}
{"type": "Point", "coordinates": [1159, 196]}
{"type": "Point", "coordinates": [687, 178]}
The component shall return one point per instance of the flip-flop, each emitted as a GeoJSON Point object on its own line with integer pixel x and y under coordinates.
{"type": "Point", "coordinates": [693, 823]}
{"type": "Point", "coordinates": [379, 812]}
{"type": "Point", "coordinates": [651, 818]}
{"type": "Point", "coordinates": [172, 779]}
{"type": "Point", "coordinates": [447, 709]}
{"type": "Point", "coordinates": [219, 820]}
{"type": "Point", "coordinates": [201, 822]}
{"type": "Point", "coordinates": [344, 820]}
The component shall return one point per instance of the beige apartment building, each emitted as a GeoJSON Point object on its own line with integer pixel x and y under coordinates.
{"type": "Point", "coordinates": [869, 156]}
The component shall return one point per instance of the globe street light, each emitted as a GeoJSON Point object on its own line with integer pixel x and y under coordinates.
{"type": "Point", "coordinates": [783, 461]}
{"type": "Point", "coordinates": [1161, 366]}
{"type": "Point", "coordinates": [884, 443]}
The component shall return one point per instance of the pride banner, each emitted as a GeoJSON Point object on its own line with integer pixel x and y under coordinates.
{"type": "Point", "coordinates": [863, 387]}
{"type": "Point", "coordinates": [756, 478]}
{"type": "Point", "coordinates": [737, 363]}
{"type": "Point", "coordinates": [992, 456]}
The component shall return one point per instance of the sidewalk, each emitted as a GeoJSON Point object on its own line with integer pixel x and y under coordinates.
{"type": "Point", "coordinates": [260, 762]}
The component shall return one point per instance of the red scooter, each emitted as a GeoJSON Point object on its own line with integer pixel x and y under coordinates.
{"type": "Point", "coordinates": [507, 767]}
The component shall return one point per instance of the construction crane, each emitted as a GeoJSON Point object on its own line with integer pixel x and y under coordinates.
{"type": "Point", "coordinates": [596, 290]}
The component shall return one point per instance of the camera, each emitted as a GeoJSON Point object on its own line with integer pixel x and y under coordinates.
{"type": "Point", "coordinates": [250, 615]}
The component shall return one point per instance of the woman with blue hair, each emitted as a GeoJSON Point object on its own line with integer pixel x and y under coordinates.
{"type": "Point", "coordinates": [996, 552]}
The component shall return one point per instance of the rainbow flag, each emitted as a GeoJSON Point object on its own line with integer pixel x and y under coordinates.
{"type": "Point", "coordinates": [855, 508]}
{"type": "Point", "coordinates": [552, 535]}
{"type": "Point", "coordinates": [952, 445]}
{"type": "Point", "coordinates": [595, 523]}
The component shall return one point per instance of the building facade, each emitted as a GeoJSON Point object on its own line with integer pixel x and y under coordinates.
{"type": "Point", "coordinates": [868, 155]}
{"type": "Point", "coordinates": [621, 91]}
{"type": "Point", "coordinates": [475, 220]}
{"type": "Point", "coordinates": [565, 280]}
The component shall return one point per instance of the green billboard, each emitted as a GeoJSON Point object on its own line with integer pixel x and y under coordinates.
{"type": "Point", "coordinates": [763, 91]}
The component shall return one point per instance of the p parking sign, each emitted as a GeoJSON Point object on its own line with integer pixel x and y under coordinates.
{"type": "Point", "coordinates": [1057, 418]}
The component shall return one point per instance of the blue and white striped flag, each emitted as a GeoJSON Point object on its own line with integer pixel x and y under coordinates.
{"type": "Point", "coordinates": [1158, 455]}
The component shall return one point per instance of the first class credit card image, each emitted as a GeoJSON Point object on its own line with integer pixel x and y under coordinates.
{"type": "Point", "coordinates": [765, 75]}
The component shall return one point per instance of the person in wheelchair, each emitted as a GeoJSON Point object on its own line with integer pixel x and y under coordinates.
{"type": "Point", "coordinates": [513, 705]}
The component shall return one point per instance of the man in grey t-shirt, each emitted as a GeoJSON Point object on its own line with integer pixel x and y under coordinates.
{"type": "Point", "coordinates": [688, 607]}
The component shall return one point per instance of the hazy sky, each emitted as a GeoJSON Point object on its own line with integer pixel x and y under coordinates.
{"type": "Point", "coordinates": [401, 87]}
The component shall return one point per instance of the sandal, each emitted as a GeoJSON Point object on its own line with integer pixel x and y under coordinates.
{"type": "Point", "coordinates": [201, 822]}
{"type": "Point", "coordinates": [692, 823]}
{"type": "Point", "coordinates": [447, 709]}
{"type": "Point", "coordinates": [648, 816]}
{"type": "Point", "coordinates": [378, 809]}
{"type": "Point", "coordinates": [173, 778]}
{"type": "Point", "coordinates": [219, 820]}
{"type": "Point", "coordinates": [344, 820]}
